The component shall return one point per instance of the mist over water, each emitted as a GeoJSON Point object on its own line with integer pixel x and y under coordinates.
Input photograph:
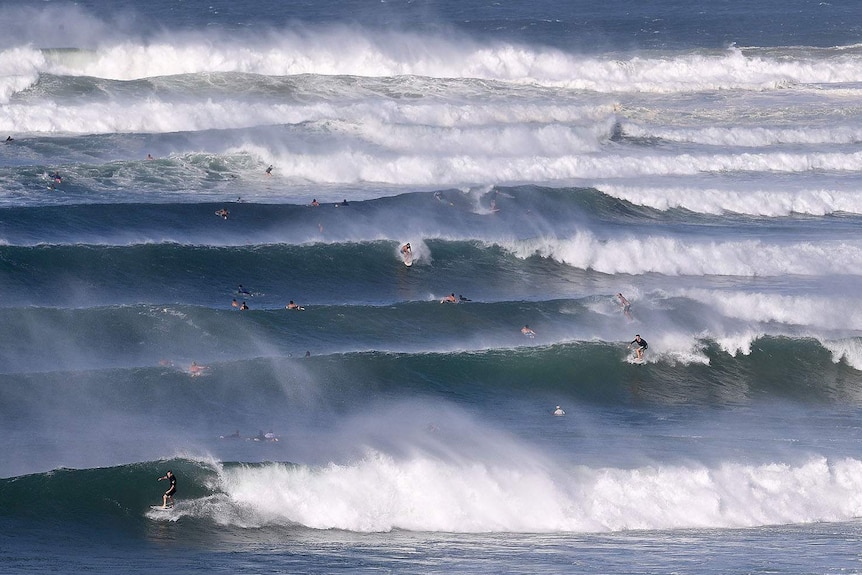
{"type": "Point", "coordinates": [167, 165]}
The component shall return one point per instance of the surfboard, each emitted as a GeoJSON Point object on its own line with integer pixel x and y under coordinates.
{"type": "Point", "coordinates": [160, 508]}
{"type": "Point", "coordinates": [408, 260]}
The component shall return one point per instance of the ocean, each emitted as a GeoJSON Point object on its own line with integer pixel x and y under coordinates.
{"type": "Point", "coordinates": [168, 163]}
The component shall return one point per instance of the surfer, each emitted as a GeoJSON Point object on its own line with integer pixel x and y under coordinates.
{"type": "Point", "coordinates": [243, 307]}
{"type": "Point", "coordinates": [261, 436]}
{"type": "Point", "coordinates": [242, 291]}
{"type": "Point", "coordinates": [449, 298]}
{"type": "Point", "coordinates": [269, 171]}
{"type": "Point", "coordinates": [627, 306]}
{"type": "Point", "coordinates": [196, 370]}
{"type": "Point", "coordinates": [10, 139]}
{"type": "Point", "coordinates": [559, 411]}
{"type": "Point", "coordinates": [234, 303]}
{"type": "Point", "coordinates": [641, 346]}
{"type": "Point", "coordinates": [315, 203]}
{"type": "Point", "coordinates": [295, 306]}
{"type": "Point", "coordinates": [223, 213]}
{"type": "Point", "coordinates": [528, 332]}
{"type": "Point", "coordinates": [406, 250]}
{"type": "Point", "coordinates": [150, 157]}
{"type": "Point", "coordinates": [169, 494]}
{"type": "Point", "coordinates": [462, 299]}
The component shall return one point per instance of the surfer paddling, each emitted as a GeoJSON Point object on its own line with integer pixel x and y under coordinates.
{"type": "Point", "coordinates": [169, 494]}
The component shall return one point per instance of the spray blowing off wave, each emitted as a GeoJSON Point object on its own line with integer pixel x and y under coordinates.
{"type": "Point", "coordinates": [339, 50]}
{"type": "Point", "coordinates": [359, 53]}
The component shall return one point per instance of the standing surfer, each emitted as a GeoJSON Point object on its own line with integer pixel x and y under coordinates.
{"type": "Point", "coordinates": [641, 346]}
{"type": "Point", "coordinates": [169, 494]}
{"type": "Point", "coordinates": [626, 304]}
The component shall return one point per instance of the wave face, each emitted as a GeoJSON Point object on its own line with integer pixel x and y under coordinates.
{"type": "Point", "coordinates": [166, 167]}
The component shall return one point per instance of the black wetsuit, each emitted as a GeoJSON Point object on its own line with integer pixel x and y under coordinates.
{"type": "Point", "coordinates": [641, 344]}
{"type": "Point", "coordinates": [173, 488]}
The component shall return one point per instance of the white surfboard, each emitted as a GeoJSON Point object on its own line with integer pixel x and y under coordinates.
{"type": "Point", "coordinates": [160, 508]}
{"type": "Point", "coordinates": [408, 259]}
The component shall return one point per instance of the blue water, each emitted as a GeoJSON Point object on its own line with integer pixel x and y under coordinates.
{"type": "Point", "coordinates": [701, 158]}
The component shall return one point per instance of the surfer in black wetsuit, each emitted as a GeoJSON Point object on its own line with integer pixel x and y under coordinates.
{"type": "Point", "coordinates": [169, 494]}
{"type": "Point", "coordinates": [642, 345]}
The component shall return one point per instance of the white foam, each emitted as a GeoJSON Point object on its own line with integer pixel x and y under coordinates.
{"type": "Point", "coordinates": [808, 310]}
{"type": "Point", "coordinates": [19, 69]}
{"type": "Point", "coordinates": [381, 493]}
{"type": "Point", "coordinates": [848, 350]}
{"type": "Point", "coordinates": [342, 50]}
{"type": "Point", "coordinates": [671, 256]}
{"type": "Point", "coordinates": [749, 136]}
{"type": "Point", "coordinates": [740, 198]}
